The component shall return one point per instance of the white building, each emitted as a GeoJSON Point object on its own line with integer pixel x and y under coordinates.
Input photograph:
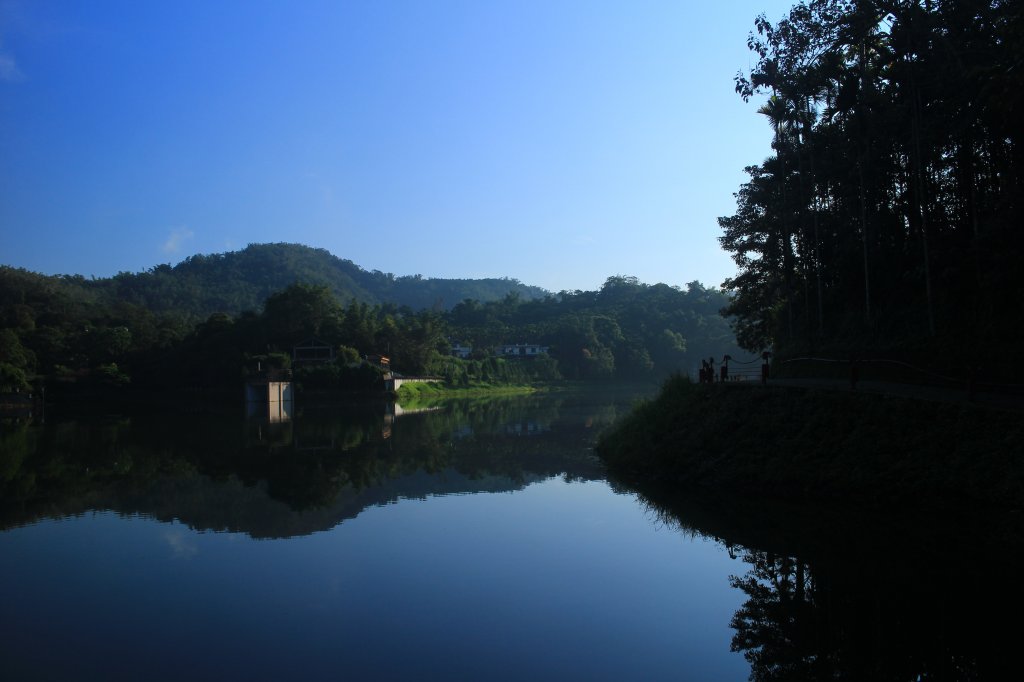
{"type": "Point", "coordinates": [520, 350]}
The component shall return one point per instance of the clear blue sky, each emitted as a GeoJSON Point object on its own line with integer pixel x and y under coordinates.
{"type": "Point", "coordinates": [556, 142]}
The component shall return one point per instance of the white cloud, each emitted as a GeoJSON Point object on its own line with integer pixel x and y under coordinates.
{"type": "Point", "coordinates": [182, 547]}
{"type": "Point", "coordinates": [177, 239]}
{"type": "Point", "coordinates": [321, 188]}
{"type": "Point", "coordinates": [9, 71]}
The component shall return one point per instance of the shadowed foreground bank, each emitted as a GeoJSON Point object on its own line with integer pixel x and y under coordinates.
{"type": "Point", "coordinates": [805, 444]}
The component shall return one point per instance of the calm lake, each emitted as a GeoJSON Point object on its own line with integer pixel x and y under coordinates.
{"type": "Point", "coordinates": [478, 540]}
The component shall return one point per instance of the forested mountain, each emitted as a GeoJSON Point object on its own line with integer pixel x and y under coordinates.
{"type": "Point", "coordinates": [71, 328]}
{"type": "Point", "coordinates": [888, 218]}
{"type": "Point", "coordinates": [241, 280]}
{"type": "Point", "coordinates": [68, 331]}
{"type": "Point", "coordinates": [625, 331]}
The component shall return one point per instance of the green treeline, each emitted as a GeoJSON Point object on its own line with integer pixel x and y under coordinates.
{"type": "Point", "coordinates": [69, 333]}
{"type": "Point", "coordinates": [626, 330]}
{"type": "Point", "coordinates": [887, 219]}
{"type": "Point", "coordinates": [116, 329]}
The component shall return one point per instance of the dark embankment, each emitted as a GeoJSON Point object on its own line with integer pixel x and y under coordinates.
{"type": "Point", "coordinates": [803, 444]}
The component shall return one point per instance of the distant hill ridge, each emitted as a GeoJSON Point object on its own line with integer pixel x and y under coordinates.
{"type": "Point", "coordinates": [237, 281]}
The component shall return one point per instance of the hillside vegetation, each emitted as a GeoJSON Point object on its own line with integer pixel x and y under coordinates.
{"type": "Point", "coordinates": [237, 281]}
{"type": "Point", "coordinates": [155, 329]}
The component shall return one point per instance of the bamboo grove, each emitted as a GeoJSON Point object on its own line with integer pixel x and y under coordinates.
{"type": "Point", "coordinates": [888, 217]}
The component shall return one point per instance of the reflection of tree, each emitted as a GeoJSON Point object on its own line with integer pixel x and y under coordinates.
{"type": "Point", "coordinates": [775, 627]}
{"type": "Point", "coordinates": [15, 445]}
{"type": "Point", "coordinates": [858, 620]}
{"type": "Point", "coordinates": [327, 465]}
{"type": "Point", "coordinates": [840, 594]}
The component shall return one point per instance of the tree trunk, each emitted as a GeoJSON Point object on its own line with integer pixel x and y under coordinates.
{"type": "Point", "coordinates": [865, 149]}
{"type": "Point", "coordinates": [923, 211]}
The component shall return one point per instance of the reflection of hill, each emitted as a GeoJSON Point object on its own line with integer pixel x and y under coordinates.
{"type": "Point", "coordinates": [229, 505]}
{"type": "Point", "coordinates": [266, 481]}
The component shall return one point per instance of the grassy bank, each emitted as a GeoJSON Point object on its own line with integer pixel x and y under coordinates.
{"type": "Point", "coordinates": [424, 392]}
{"type": "Point", "coordinates": [797, 443]}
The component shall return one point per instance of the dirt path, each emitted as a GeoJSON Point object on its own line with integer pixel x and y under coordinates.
{"type": "Point", "coordinates": [1003, 401]}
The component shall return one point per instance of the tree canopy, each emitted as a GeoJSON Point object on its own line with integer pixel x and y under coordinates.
{"type": "Point", "coordinates": [63, 330]}
{"type": "Point", "coordinates": [237, 281]}
{"type": "Point", "coordinates": [887, 217]}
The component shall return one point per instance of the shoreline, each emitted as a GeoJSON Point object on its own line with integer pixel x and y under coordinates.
{"type": "Point", "coordinates": [809, 445]}
{"type": "Point", "coordinates": [427, 392]}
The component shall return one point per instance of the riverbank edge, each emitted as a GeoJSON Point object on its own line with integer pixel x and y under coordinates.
{"type": "Point", "coordinates": [90, 399]}
{"type": "Point", "coordinates": [805, 444]}
{"type": "Point", "coordinates": [425, 392]}
{"type": "Point", "coordinates": [435, 392]}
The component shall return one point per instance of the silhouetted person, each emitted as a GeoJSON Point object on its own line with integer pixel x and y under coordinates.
{"type": "Point", "coordinates": [725, 368]}
{"type": "Point", "coordinates": [711, 370]}
{"type": "Point", "coordinates": [765, 368]}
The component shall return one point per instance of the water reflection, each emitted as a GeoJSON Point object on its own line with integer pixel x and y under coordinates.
{"type": "Point", "coordinates": [271, 475]}
{"type": "Point", "coordinates": [813, 593]}
{"type": "Point", "coordinates": [831, 594]}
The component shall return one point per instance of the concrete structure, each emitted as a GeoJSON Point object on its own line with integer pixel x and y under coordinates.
{"type": "Point", "coordinates": [277, 396]}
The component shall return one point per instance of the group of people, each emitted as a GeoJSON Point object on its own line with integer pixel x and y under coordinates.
{"type": "Point", "coordinates": [707, 370]}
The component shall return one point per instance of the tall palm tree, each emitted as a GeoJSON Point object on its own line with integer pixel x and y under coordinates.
{"type": "Point", "coordinates": [780, 114]}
